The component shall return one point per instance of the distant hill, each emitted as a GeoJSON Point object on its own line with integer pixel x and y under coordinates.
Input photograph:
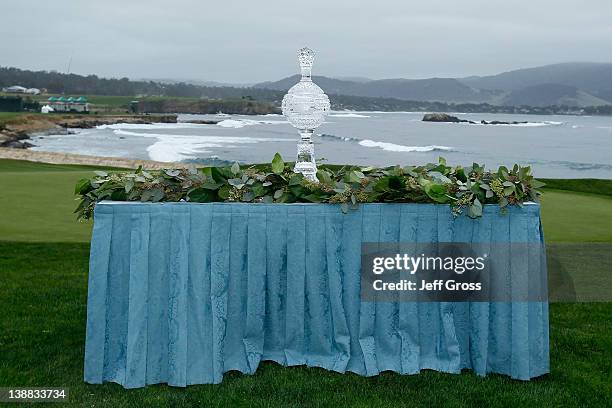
{"type": "Point", "coordinates": [551, 94]}
{"type": "Point", "coordinates": [569, 84]}
{"type": "Point", "coordinates": [588, 76]}
{"type": "Point", "coordinates": [434, 89]}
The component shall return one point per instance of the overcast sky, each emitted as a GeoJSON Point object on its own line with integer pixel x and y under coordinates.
{"type": "Point", "coordinates": [251, 41]}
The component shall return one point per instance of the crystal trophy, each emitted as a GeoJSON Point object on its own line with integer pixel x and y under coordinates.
{"type": "Point", "coordinates": [305, 106]}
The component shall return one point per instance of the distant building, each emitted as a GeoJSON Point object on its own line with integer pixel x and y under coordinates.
{"type": "Point", "coordinates": [15, 89]}
{"type": "Point", "coordinates": [70, 104]}
{"type": "Point", "coordinates": [21, 90]}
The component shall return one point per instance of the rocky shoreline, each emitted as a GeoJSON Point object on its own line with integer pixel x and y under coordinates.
{"type": "Point", "coordinates": [81, 159]}
{"type": "Point", "coordinates": [14, 133]}
{"type": "Point", "coordinates": [446, 118]}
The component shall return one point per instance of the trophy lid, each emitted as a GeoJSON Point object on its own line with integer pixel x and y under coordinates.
{"type": "Point", "coordinates": [306, 58]}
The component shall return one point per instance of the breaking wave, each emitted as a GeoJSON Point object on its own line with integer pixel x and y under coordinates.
{"type": "Point", "coordinates": [391, 147]}
{"type": "Point", "coordinates": [340, 138]}
{"type": "Point", "coordinates": [577, 166]}
{"type": "Point", "coordinates": [150, 126]}
{"type": "Point", "coordinates": [175, 148]}
{"type": "Point", "coordinates": [240, 123]}
{"type": "Point", "coordinates": [348, 115]}
{"type": "Point", "coordinates": [528, 124]}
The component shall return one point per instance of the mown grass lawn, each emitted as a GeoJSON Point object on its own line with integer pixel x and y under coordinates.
{"type": "Point", "coordinates": [43, 278]}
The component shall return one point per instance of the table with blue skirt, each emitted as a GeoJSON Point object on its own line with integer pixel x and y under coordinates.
{"type": "Point", "coordinates": [181, 293]}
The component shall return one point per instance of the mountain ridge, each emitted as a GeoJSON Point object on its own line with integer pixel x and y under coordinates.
{"type": "Point", "coordinates": [568, 84]}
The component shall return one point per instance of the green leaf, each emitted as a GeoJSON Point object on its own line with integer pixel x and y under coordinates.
{"type": "Point", "coordinates": [475, 210]}
{"type": "Point", "coordinates": [247, 197]}
{"type": "Point", "coordinates": [278, 165]}
{"type": "Point", "coordinates": [146, 196]}
{"type": "Point", "coordinates": [296, 179]}
{"type": "Point", "coordinates": [157, 194]}
{"type": "Point", "coordinates": [258, 190]}
{"type": "Point", "coordinates": [219, 174]}
{"type": "Point", "coordinates": [210, 185]}
{"type": "Point", "coordinates": [340, 188]}
{"type": "Point", "coordinates": [278, 194]}
{"type": "Point", "coordinates": [235, 168]}
{"type": "Point", "coordinates": [82, 186]}
{"type": "Point", "coordinates": [236, 182]}
{"type": "Point", "coordinates": [101, 173]}
{"type": "Point", "coordinates": [172, 173]}
{"type": "Point", "coordinates": [382, 184]}
{"type": "Point", "coordinates": [118, 195]}
{"type": "Point", "coordinates": [437, 192]}
{"type": "Point", "coordinates": [324, 177]}
{"type": "Point", "coordinates": [224, 192]}
{"type": "Point", "coordinates": [129, 185]}
{"type": "Point", "coordinates": [344, 207]}
{"type": "Point", "coordinates": [439, 177]}
{"type": "Point", "coordinates": [297, 190]}
{"type": "Point", "coordinates": [313, 198]}
{"type": "Point", "coordinates": [202, 195]}
{"type": "Point", "coordinates": [460, 174]}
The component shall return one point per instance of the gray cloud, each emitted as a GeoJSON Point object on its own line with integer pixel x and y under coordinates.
{"type": "Point", "coordinates": [249, 41]}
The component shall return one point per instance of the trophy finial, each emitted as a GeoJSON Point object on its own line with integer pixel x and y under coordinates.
{"type": "Point", "coordinates": [306, 58]}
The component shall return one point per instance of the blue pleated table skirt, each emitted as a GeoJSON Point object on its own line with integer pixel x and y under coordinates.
{"type": "Point", "coordinates": [181, 293]}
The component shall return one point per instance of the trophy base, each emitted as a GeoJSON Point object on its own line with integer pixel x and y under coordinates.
{"type": "Point", "coordinates": [305, 162]}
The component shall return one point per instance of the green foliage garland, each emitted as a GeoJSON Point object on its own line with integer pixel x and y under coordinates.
{"type": "Point", "coordinates": [462, 188]}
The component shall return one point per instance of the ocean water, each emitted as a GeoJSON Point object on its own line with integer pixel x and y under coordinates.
{"type": "Point", "coordinates": [555, 146]}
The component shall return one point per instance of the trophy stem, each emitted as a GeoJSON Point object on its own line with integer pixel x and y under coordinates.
{"type": "Point", "coordinates": [305, 162]}
{"type": "Point", "coordinates": [306, 74]}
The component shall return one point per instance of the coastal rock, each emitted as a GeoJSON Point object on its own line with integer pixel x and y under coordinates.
{"type": "Point", "coordinates": [17, 144]}
{"type": "Point", "coordinates": [441, 117]}
{"type": "Point", "coordinates": [444, 117]}
{"type": "Point", "coordinates": [498, 122]}
{"type": "Point", "coordinates": [203, 122]}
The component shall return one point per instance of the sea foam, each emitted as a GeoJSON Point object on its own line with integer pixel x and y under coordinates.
{"type": "Point", "coordinates": [348, 115]}
{"type": "Point", "coordinates": [240, 123]}
{"type": "Point", "coordinates": [151, 126]}
{"type": "Point", "coordinates": [174, 148]}
{"type": "Point", "coordinates": [392, 147]}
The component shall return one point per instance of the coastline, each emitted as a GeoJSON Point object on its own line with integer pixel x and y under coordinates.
{"type": "Point", "coordinates": [81, 159]}
{"type": "Point", "coordinates": [15, 131]}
